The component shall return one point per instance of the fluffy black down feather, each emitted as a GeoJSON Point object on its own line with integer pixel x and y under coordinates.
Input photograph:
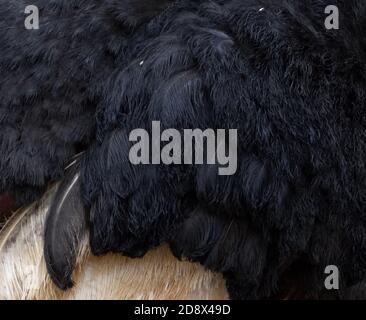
{"type": "Point", "coordinates": [52, 81]}
{"type": "Point", "coordinates": [294, 90]}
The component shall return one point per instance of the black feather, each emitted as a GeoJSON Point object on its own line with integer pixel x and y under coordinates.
{"type": "Point", "coordinates": [66, 225]}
